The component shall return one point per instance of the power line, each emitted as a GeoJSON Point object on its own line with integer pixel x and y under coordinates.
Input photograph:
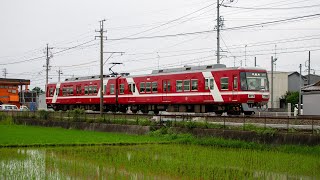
{"type": "Point", "coordinates": [266, 8]}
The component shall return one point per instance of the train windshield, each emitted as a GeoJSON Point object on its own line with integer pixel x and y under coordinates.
{"type": "Point", "coordinates": [254, 81]}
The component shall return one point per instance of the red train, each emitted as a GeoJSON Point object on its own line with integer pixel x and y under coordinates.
{"type": "Point", "coordinates": [211, 88]}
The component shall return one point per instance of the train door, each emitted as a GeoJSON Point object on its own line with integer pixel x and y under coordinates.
{"type": "Point", "coordinates": [235, 88]}
{"type": "Point", "coordinates": [166, 88]}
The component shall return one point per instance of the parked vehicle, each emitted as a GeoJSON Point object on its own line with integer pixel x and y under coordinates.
{"type": "Point", "coordinates": [24, 108]}
{"type": "Point", "coordinates": [8, 107]}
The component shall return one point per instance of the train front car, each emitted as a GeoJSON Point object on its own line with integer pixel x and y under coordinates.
{"type": "Point", "coordinates": [254, 89]}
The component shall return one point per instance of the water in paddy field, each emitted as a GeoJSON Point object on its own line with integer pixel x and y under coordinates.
{"type": "Point", "coordinates": [154, 162]}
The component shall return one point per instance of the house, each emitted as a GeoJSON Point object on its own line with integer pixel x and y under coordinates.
{"type": "Point", "coordinates": [311, 99]}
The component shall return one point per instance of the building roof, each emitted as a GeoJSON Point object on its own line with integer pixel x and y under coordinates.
{"type": "Point", "coordinates": [14, 81]}
{"type": "Point", "coordinates": [312, 87]}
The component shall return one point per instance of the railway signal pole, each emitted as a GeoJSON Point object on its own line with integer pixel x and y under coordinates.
{"type": "Point", "coordinates": [299, 105]}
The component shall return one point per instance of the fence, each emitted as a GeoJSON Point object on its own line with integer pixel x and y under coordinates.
{"type": "Point", "coordinates": [288, 124]}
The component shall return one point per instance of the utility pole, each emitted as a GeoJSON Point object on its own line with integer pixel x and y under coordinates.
{"type": "Point", "coordinates": [273, 60]}
{"type": "Point", "coordinates": [271, 82]}
{"type": "Point", "coordinates": [255, 61]}
{"type": "Point", "coordinates": [5, 72]}
{"type": "Point", "coordinates": [218, 31]}
{"type": "Point", "coordinates": [47, 64]}
{"type": "Point", "coordinates": [245, 55]}
{"type": "Point", "coordinates": [299, 105]}
{"type": "Point", "coordinates": [59, 73]}
{"type": "Point", "coordinates": [234, 61]}
{"type": "Point", "coordinates": [309, 69]}
{"type": "Point", "coordinates": [101, 65]}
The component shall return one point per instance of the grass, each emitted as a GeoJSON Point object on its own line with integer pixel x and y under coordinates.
{"type": "Point", "coordinates": [20, 135]}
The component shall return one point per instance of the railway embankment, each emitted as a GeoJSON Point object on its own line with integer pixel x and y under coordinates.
{"type": "Point", "coordinates": [248, 134]}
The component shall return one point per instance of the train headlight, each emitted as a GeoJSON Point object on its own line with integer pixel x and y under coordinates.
{"type": "Point", "coordinates": [251, 96]}
{"type": "Point", "coordinates": [265, 96]}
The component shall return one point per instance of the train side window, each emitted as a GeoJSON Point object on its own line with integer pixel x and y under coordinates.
{"type": "Point", "coordinates": [121, 88]}
{"type": "Point", "coordinates": [71, 91]}
{"type": "Point", "coordinates": [105, 89]}
{"type": "Point", "coordinates": [209, 83]}
{"type": "Point", "coordinates": [111, 88]}
{"type": "Point", "coordinates": [235, 83]}
{"type": "Point", "coordinates": [224, 83]}
{"type": "Point", "coordinates": [164, 86]}
{"type": "Point", "coordinates": [78, 89]}
{"type": "Point", "coordinates": [194, 85]}
{"type": "Point", "coordinates": [95, 89]}
{"type": "Point", "coordinates": [169, 86]}
{"type": "Point", "coordinates": [142, 87]}
{"type": "Point", "coordinates": [86, 90]}
{"type": "Point", "coordinates": [186, 85]}
{"type": "Point", "coordinates": [154, 87]}
{"type": "Point", "coordinates": [148, 87]}
{"type": "Point", "coordinates": [90, 90]}
{"type": "Point", "coordinates": [130, 88]}
{"type": "Point", "coordinates": [179, 86]}
{"type": "Point", "coordinates": [51, 92]}
{"type": "Point", "coordinates": [64, 91]}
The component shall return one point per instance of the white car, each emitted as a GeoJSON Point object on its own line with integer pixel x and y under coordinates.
{"type": "Point", "coordinates": [8, 107]}
{"type": "Point", "coordinates": [24, 108]}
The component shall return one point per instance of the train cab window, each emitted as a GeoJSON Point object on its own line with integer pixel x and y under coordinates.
{"type": "Point", "coordinates": [235, 83]}
{"type": "Point", "coordinates": [111, 88]}
{"type": "Point", "coordinates": [224, 83]}
{"type": "Point", "coordinates": [179, 86]}
{"type": "Point", "coordinates": [186, 85]}
{"type": "Point", "coordinates": [142, 87]}
{"type": "Point", "coordinates": [86, 90]}
{"type": "Point", "coordinates": [121, 88]}
{"type": "Point", "coordinates": [154, 87]}
{"type": "Point", "coordinates": [148, 87]}
{"type": "Point", "coordinates": [194, 85]}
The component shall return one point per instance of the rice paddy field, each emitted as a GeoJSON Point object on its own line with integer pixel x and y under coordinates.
{"type": "Point", "coordinates": [121, 156]}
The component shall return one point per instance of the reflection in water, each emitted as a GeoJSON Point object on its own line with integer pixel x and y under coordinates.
{"type": "Point", "coordinates": [154, 162]}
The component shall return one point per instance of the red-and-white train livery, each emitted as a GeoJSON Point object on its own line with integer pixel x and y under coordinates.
{"type": "Point", "coordinates": [188, 89]}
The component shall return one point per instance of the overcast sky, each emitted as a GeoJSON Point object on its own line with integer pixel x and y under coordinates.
{"type": "Point", "coordinates": [27, 26]}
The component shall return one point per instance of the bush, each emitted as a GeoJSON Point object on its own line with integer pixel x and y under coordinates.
{"type": "Point", "coordinates": [5, 119]}
{"type": "Point", "coordinates": [77, 115]}
{"type": "Point", "coordinates": [44, 115]}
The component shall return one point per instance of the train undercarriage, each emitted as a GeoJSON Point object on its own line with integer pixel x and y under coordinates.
{"type": "Point", "coordinates": [218, 109]}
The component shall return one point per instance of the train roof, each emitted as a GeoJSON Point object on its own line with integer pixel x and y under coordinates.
{"type": "Point", "coordinates": [185, 69]}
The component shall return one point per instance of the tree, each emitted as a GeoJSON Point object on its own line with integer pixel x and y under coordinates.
{"type": "Point", "coordinates": [292, 97]}
{"type": "Point", "coordinates": [38, 90]}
